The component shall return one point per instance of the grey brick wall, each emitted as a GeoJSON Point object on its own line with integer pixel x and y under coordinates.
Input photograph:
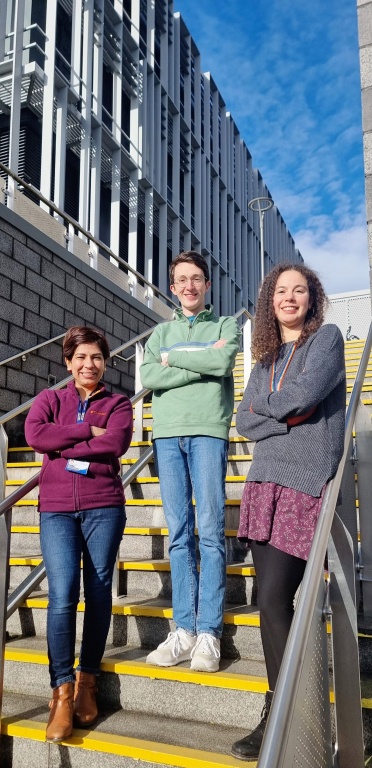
{"type": "Point", "coordinates": [43, 290]}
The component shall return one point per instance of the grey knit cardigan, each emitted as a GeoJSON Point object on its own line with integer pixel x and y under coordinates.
{"type": "Point", "coordinates": [306, 456]}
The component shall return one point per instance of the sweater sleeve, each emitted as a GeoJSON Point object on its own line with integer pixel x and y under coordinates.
{"type": "Point", "coordinates": [114, 442]}
{"type": "Point", "coordinates": [253, 425]}
{"type": "Point", "coordinates": [44, 435]}
{"type": "Point", "coordinates": [324, 370]}
{"type": "Point", "coordinates": [155, 376]}
{"type": "Point", "coordinates": [211, 361]}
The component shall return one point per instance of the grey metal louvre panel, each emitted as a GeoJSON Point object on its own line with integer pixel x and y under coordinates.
{"type": "Point", "coordinates": [67, 5]}
{"type": "Point", "coordinates": [184, 153]}
{"type": "Point", "coordinates": [124, 190]}
{"type": "Point", "coordinates": [129, 72]}
{"type": "Point", "coordinates": [156, 229]}
{"type": "Point", "coordinates": [106, 168]}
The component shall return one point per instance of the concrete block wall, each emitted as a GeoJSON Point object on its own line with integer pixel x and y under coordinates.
{"type": "Point", "coordinates": [43, 290]}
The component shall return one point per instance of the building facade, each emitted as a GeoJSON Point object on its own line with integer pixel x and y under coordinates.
{"type": "Point", "coordinates": [105, 108]}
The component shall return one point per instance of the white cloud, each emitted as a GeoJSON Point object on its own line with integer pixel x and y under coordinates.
{"type": "Point", "coordinates": [340, 258]}
{"type": "Point", "coordinates": [295, 98]}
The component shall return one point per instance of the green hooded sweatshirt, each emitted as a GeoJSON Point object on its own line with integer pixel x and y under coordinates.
{"type": "Point", "coordinates": [194, 393]}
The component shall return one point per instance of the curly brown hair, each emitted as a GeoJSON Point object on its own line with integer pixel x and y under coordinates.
{"type": "Point", "coordinates": [266, 338]}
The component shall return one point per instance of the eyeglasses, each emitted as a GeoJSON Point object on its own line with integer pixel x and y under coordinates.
{"type": "Point", "coordinates": [194, 279]}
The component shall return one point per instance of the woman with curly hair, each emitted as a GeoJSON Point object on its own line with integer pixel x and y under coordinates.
{"type": "Point", "coordinates": [294, 410]}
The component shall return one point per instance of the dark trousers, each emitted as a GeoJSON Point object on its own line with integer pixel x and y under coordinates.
{"type": "Point", "coordinates": [278, 578]}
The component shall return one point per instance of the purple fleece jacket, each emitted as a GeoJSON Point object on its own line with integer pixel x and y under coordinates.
{"type": "Point", "coordinates": [51, 429]}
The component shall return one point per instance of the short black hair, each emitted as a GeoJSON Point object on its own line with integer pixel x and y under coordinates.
{"type": "Point", "coordinates": [82, 334]}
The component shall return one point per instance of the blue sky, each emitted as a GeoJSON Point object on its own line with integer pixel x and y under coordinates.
{"type": "Point", "coordinates": [289, 74]}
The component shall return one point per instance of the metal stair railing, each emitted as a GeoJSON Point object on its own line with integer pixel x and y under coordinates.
{"type": "Point", "coordinates": [298, 730]}
{"type": "Point", "coordinates": [9, 605]}
{"type": "Point", "coordinates": [28, 351]}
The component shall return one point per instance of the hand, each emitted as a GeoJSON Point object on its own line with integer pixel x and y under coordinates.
{"type": "Point", "coordinates": [164, 359]}
{"type": "Point", "coordinates": [219, 344]}
{"type": "Point", "coordinates": [97, 431]}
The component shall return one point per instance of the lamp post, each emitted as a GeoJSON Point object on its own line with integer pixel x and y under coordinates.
{"type": "Point", "coordinates": [261, 205]}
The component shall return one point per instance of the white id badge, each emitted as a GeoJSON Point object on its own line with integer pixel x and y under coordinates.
{"type": "Point", "coordinates": [81, 467]}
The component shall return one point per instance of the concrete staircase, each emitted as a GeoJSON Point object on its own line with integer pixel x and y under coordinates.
{"type": "Point", "coordinates": [150, 716]}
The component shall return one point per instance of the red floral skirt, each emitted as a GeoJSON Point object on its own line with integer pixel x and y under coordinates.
{"type": "Point", "coordinates": [283, 517]}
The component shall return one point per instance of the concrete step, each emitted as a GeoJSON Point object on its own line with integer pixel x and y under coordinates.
{"type": "Point", "coordinates": [143, 622]}
{"type": "Point", "coordinates": [117, 739]}
{"type": "Point", "coordinates": [230, 698]}
{"type": "Point", "coordinates": [227, 697]}
{"type": "Point", "coordinates": [151, 577]}
{"type": "Point", "coordinates": [140, 512]}
{"type": "Point", "coordinates": [139, 542]}
{"type": "Point", "coordinates": [148, 487]}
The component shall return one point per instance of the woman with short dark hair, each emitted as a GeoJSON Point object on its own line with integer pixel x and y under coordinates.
{"type": "Point", "coordinates": [82, 430]}
{"type": "Point", "coordinates": [294, 410]}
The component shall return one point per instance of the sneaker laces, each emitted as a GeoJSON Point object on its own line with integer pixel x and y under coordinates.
{"type": "Point", "coordinates": [205, 644]}
{"type": "Point", "coordinates": [173, 640]}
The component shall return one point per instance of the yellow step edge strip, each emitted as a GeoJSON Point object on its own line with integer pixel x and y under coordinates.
{"type": "Point", "coordinates": [155, 566]}
{"type": "Point", "coordinates": [26, 529]}
{"type": "Point", "coordinates": [125, 746]}
{"type": "Point", "coordinates": [222, 679]}
{"type": "Point", "coordinates": [20, 449]}
{"type": "Point", "coordinates": [240, 457]}
{"type": "Point", "coordinates": [26, 503]}
{"type": "Point", "coordinates": [129, 531]}
{"type": "Point", "coordinates": [153, 479]}
{"type": "Point", "coordinates": [158, 503]}
{"type": "Point", "coordinates": [20, 464]}
{"type": "Point", "coordinates": [232, 616]}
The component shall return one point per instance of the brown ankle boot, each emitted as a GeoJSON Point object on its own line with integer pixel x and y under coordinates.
{"type": "Point", "coordinates": [85, 706]}
{"type": "Point", "coordinates": [61, 708]}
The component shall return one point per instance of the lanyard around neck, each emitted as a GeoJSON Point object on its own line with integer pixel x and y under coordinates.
{"type": "Point", "coordinates": [276, 380]}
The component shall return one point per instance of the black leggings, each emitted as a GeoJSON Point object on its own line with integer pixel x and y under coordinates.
{"type": "Point", "coordinates": [278, 578]}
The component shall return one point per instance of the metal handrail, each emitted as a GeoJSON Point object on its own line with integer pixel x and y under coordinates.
{"type": "Point", "coordinates": [283, 704]}
{"type": "Point", "coordinates": [31, 349]}
{"type": "Point", "coordinates": [65, 216]}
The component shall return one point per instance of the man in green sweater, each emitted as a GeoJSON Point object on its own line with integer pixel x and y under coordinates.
{"type": "Point", "coordinates": [188, 364]}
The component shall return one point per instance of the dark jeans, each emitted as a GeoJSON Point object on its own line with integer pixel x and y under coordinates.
{"type": "Point", "coordinates": [278, 577]}
{"type": "Point", "coordinates": [65, 536]}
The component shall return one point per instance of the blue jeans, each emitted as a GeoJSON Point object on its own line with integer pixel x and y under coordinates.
{"type": "Point", "coordinates": [65, 536]}
{"type": "Point", "coordinates": [187, 466]}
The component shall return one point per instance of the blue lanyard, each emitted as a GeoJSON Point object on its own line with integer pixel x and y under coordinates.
{"type": "Point", "coordinates": [81, 411]}
{"type": "Point", "coordinates": [276, 378]}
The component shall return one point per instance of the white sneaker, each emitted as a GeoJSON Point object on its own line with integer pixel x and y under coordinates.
{"type": "Point", "coordinates": [205, 656]}
{"type": "Point", "coordinates": [176, 648]}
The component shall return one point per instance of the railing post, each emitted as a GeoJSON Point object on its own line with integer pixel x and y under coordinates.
{"type": "Point", "coordinates": [138, 408]}
{"type": "Point", "coordinates": [345, 656]}
{"type": "Point", "coordinates": [5, 525]}
{"type": "Point", "coordinates": [363, 440]}
{"type": "Point", "coordinates": [247, 355]}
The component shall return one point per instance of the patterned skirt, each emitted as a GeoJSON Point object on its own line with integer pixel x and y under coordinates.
{"type": "Point", "coordinates": [283, 517]}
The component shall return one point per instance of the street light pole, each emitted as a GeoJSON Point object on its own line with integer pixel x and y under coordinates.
{"type": "Point", "coordinates": [260, 205]}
